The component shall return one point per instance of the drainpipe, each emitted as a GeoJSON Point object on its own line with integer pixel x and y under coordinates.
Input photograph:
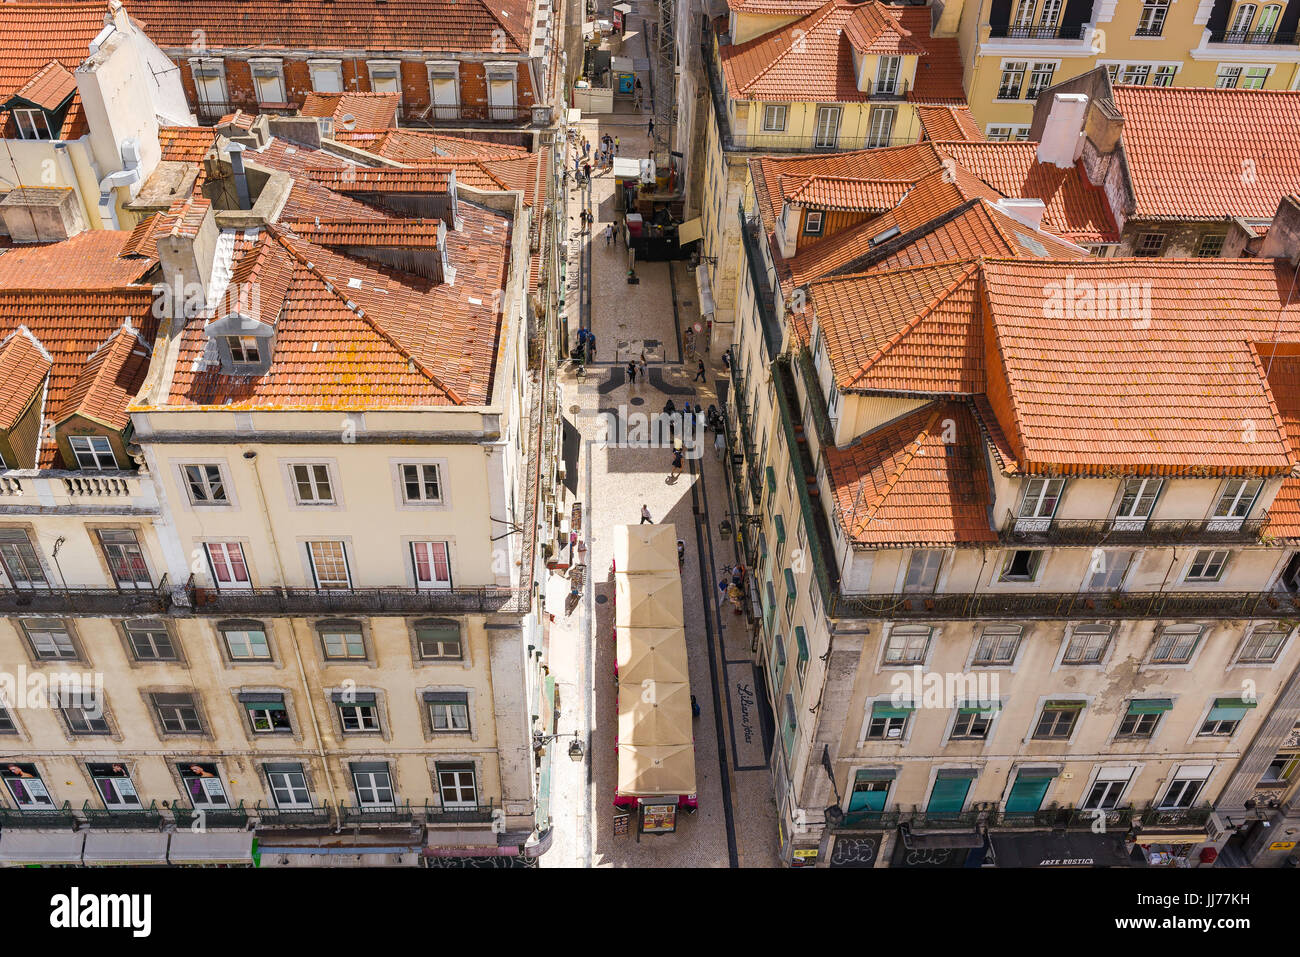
{"type": "Point", "coordinates": [123, 177]}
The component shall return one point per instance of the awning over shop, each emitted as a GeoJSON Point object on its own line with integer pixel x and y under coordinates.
{"type": "Point", "coordinates": [211, 847]}
{"type": "Point", "coordinates": [639, 549]}
{"type": "Point", "coordinates": [1172, 837]}
{"type": "Point", "coordinates": [626, 168]}
{"type": "Point", "coordinates": [1071, 849]}
{"type": "Point", "coordinates": [704, 284]}
{"type": "Point", "coordinates": [623, 8]}
{"type": "Point", "coordinates": [690, 231]}
{"type": "Point", "coordinates": [657, 714]}
{"type": "Point", "coordinates": [125, 847]}
{"type": "Point", "coordinates": [41, 847]}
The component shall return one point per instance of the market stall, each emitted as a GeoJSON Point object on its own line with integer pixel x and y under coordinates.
{"type": "Point", "coordinates": [639, 549]}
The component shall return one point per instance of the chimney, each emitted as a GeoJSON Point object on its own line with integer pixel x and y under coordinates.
{"type": "Point", "coordinates": [1062, 140]}
{"type": "Point", "coordinates": [1027, 211]}
{"type": "Point", "coordinates": [41, 214]}
{"type": "Point", "coordinates": [241, 178]}
{"type": "Point", "coordinates": [1282, 241]}
{"type": "Point", "coordinates": [186, 254]}
{"type": "Point", "coordinates": [787, 234]}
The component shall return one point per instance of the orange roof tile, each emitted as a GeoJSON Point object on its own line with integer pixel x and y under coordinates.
{"type": "Point", "coordinates": [33, 34]}
{"type": "Point", "coordinates": [186, 144]}
{"type": "Point", "coordinates": [775, 8]}
{"type": "Point", "coordinates": [939, 73]}
{"type": "Point", "coordinates": [48, 87]}
{"type": "Point", "coordinates": [844, 193]}
{"type": "Point", "coordinates": [1210, 154]}
{"type": "Point", "coordinates": [24, 364]}
{"type": "Point", "coordinates": [89, 260]}
{"type": "Point", "coordinates": [360, 112]}
{"type": "Point", "coordinates": [368, 179]}
{"type": "Point", "coordinates": [953, 123]}
{"type": "Point", "coordinates": [874, 32]}
{"type": "Point", "coordinates": [409, 146]}
{"type": "Point", "coordinates": [910, 483]}
{"type": "Point", "coordinates": [397, 233]}
{"type": "Point", "coordinates": [108, 381]}
{"type": "Point", "coordinates": [1283, 373]}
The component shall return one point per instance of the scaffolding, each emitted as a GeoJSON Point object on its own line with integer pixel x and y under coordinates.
{"type": "Point", "coordinates": [664, 81]}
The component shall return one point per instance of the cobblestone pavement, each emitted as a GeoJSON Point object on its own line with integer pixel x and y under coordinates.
{"type": "Point", "coordinates": [736, 822]}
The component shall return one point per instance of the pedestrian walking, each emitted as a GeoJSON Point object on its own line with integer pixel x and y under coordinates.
{"type": "Point", "coordinates": [644, 376]}
{"type": "Point", "coordinates": [577, 165]}
{"type": "Point", "coordinates": [616, 146]}
{"type": "Point", "coordinates": [645, 515]}
{"type": "Point", "coordinates": [631, 373]}
{"type": "Point", "coordinates": [699, 372]}
{"type": "Point", "coordinates": [737, 575]}
{"type": "Point", "coordinates": [650, 128]}
{"type": "Point", "coordinates": [719, 446]}
{"type": "Point", "coordinates": [677, 463]}
{"type": "Point", "coordinates": [670, 407]}
{"type": "Point", "coordinates": [586, 172]}
{"type": "Point", "coordinates": [618, 231]}
{"type": "Point", "coordinates": [609, 235]}
{"type": "Point", "coordinates": [591, 345]}
{"type": "Point", "coordinates": [726, 361]}
{"type": "Point", "coordinates": [586, 148]}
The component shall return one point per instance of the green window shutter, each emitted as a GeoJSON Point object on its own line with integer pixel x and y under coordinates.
{"type": "Point", "coordinates": [1063, 705]}
{"type": "Point", "coordinates": [780, 529]}
{"type": "Point", "coordinates": [887, 710]}
{"type": "Point", "coordinates": [1150, 705]}
{"type": "Point", "coordinates": [803, 646]}
{"type": "Point", "coordinates": [790, 587]}
{"type": "Point", "coordinates": [948, 795]}
{"type": "Point", "coordinates": [1027, 794]}
{"type": "Point", "coordinates": [876, 774]}
{"type": "Point", "coordinates": [1229, 709]}
{"type": "Point", "coordinates": [771, 479]}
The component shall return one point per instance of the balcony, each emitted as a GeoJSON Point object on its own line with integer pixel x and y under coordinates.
{"type": "Point", "coordinates": [1122, 531]}
{"type": "Point", "coordinates": [124, 602]}
{"type": "Point", "coordinates": [471, 814]}
{"type": "Point", "coordinates": [1057, 818]}
{"type": "Point", "coordinates": [1261, 37]}
{"type": "Point", "coordinates": [897, 90]}
{"type": "Point", "coordinates": [44, 818]}
{"type": "Point", "coordinates": [1173, 819]}
{"type": "Point", "coordinates": [944, 820]}
{"type": "Point", "coordinates": [1048, 31]}
{"type": "Point", "coordinates": [374, 601]}
{"type": "Point", "coordinates": [99, 493]}
{"type": "Point", "coordinates": [211, 817]}
{"type": "Point", "coordinates": [1064, 606]}
{"type": "Point", "coordinates": [290, 817]}
{"type": "Point", "coordinates": [135, 819]}
{"type": "Point", "coordinates": [375, 816]}
{"type": "Point", "coordinates": [869, 820]}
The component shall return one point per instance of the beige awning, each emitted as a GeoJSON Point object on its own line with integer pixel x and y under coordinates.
{"type": "Point", "coordinates": [211, 847]}
{"type": "Point", "coordinates": [125, 847]}
{"type": "Point", "coordinates": [658, 713]}
{"type": "Point", "coordinates": [656, 771]}
{"type": "Point", "coordinates": [1174, 837]}
{"type": "Point", "coordinates": [645, 548]}
{"type": "Point", "coordinates": [690, 231]}
{"type": "Point", "coordinates": [648, 601]}
{"type": "Point", "coordinates": [41, 847]}
{"type": "Point", "coordinates": [651, 654]}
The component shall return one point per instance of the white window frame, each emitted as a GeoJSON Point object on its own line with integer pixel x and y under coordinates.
{"type": "Point", "coordinates": [500, 76]}
{"type": "Point", "coordinates": [1108, 583]}
{"type": "Point", "coordinates": [90, 451]}
{"type": "Point", "coordinates": [430, 547]}
{"type": "Point", "coordinates": [277, 781]}
{"type": "Point", "coordinates": [1082, 639]}
{"type": "Point", "coordinates": [1036, 573]}
{"type": "Point", "coordinates": [1171, 637]}
{"type": "Point", "coordinates": [244, 350]}
{"type": "Point", "coordinates": [206, 481]}
{"type": "Point", "coordinates": [333, 583]}
{"type": "Point", "coordinates": [1240, 659]}
{"type": "Point", "coordinates": [925, 581]}
{"type": "Point", "coordinates": [318, 68]}
{"type": "Point", "coordinates": [993, 637]}
{"type": "Point", "coordinates": [769, 116]}
{"type": "Point", "coordinates": [1202, 578]}
{"type": "Point", "coordinates": [314, 482]}
{"type": "Point", "coordinates": [382, 67]}
{"type": "Point", "coordinates": [900, 644]}
{"type": "Point", "coordinates": [444, 74]}
{"type": "Point", "coordinates": [219, 557]}
{"type": "Point", "coordinates": [263, 70]}
{"type": "Point", "coordinates": [373, 783]}
{"type": "Point", "coordinates": [826, 131]}
{"type": "Point", "coordinates": [29, 130]}
{"type": "Point", "coordinates": [421, 480]}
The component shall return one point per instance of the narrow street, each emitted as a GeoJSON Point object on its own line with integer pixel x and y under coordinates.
{"type": "Point", "coordinates": [736, 822]}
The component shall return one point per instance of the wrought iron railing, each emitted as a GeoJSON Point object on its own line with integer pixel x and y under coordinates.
{"type": "Point", "coordinates": [1189, 818]}
{"type": "Point", "coordinates": [1122, 531]}
{"type": "Point", "coordinates": [752, 239]}
{"type": "Point", "coordinates": [136, 818]}
{"type": "Point", "coordinates": [944, 820]}
{"type": "Point", "coordinates": [48, 818]}
{"type": "Point", "coordinates": [77, 600]}
{"type": "Point", "coordinates": [367, 815]}
{"type": "Point", "coordinates": [472, 814]}
{"type": "Point", "coordinates": [1174, 604]}
{"type": "Point", "coordinates": [400, 601]}
{"type": "Point", "coordinates": [869, 820]}
{"type": "Point", "coordinates": [285, 817]}
{"type": "Point", "coordinates": [211, 817]}
{"type": "Point", "coordinates": [1253, 37]}
{"type": "Point", "coordinates": [1047, 31]}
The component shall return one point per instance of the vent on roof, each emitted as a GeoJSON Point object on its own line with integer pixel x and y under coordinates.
{"type": "Point", "coordinates": [888, 234]}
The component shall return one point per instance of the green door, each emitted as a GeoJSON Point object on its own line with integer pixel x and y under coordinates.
{"type": "Point", "coordinates": [1027, 794]}
{"type": "Point", "coordinates": [948, 796]}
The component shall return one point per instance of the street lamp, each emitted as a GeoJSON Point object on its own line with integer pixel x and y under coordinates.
{"type": "Point", "coordinates": [575, 746]}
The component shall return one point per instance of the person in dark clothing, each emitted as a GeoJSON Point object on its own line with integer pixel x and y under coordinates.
{"type": "Point", "coordinates": [586, 172]}
{"type": "Point", "coordinates": [699, 372]}
{"type": "Point", "coordinates": [677, 463]}
{"type": "Point", "coordinates": [631, 372]}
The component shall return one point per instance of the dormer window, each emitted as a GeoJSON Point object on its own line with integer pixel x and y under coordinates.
{"type": "Point", "coordinates": [32, 125]}
{"type": "Point", "coordinates": [812, 222]}
{"type": "Point", "coordinates": [93, 452]}
{"type": "Point", "coordinates": [887, 71]}
{"type": "Point", "coordinates": [244, 350]}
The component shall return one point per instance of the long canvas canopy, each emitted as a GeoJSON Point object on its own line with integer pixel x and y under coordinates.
{"type": "Point", "coordinates": [649, 771]}
{"type": "Point", "coordinates": [651, 654]}
{"type": "Point", "coordinates": [658, 713]}
{"type": "Point", "coordinates": [639, 549]}
{"type": "Point", "coordinates": [648, 601]}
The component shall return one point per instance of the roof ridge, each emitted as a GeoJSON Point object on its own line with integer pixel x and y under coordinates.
{"type": "Point", "coordinates": [274, 230]}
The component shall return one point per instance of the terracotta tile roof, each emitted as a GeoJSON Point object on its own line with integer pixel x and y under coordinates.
{"type": "Point", "coordinates": [396, 233]}
{"type": "Point", "coordinates": [368, 179]}
{"type": "Point", "coordinates": [368, 111]}
{"type": "Point", "coordinates": [186, 144]}
{"type": "Point", "coordinates": [89, 260]}
{"type": "Point", "coordinates": [1210, 154]}
{"type": "Point", "coordinates": [939, 73]}
{"type": "Point", "coordinates": [71, 324]}
{"type": "Point", "coordinates": [775, 8]}
{"type": "Point", "coordinates": [238, 119]}
{"type": "Point", "coordinates": [49, 86]}
{"type": "Point", "coordinates": [1076, 209]}
{"type": "Point", "coordinates": [33, 34]}
{"type": "Point", "coordinates": [499, 27]}
{"type": "Point", "coordinates": [844, 193]}
{"type": "Point", "coordinates": [1283, 371]}
{"type": "Point", "coordinates": [909, 483]}
{"type": "Point", "coordinates": [408, 146]}
{"type": "Point", "coordinates": [108, 381]}
{"type": "Point", "coordinates": [872, 31]}
{"type": "Point", "coordinates": [951, 123]}
{"type": "Point", "coordinates": [24, 364]}
{"type": "Point", "coordinates": [309, 199]}
{"type": "Point", "coordinates": [259, 282]}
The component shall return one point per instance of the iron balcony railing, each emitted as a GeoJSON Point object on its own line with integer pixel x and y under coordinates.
{"type": "Point", "coordinates": [869, 820]}
{"type": "Point", "coordinates": [1253, 36]}
{"type": "Point", "coordinates": [136, 818]}
{"type": "Point", "coordinates": [1043, 31]}
{"type": "Point", "coordinates": [1182, 818]}
{"type": "Point", "coordinates": [1017, 530]}
{"type": "Point", "coordinates": [367, 815]}
{"type": "Point", "coordinates": [211, 817]}
{"type": "Point", "coordinates": [76, 600]}
{"type": "Point", "coordinates": [1062, 817]}
{"type": "Point", "coordinates": [1059, 605]}
{"type": "Point", "coordinates": [471, 814]}
{"type": "Point", "coordinates": [398, 601]}
{"type": "Point", "coordinates": [944, 820]}
{"type": "Point", "coordinates": [47, 818]}
{"type": "Point", "coordinates": [285, 817]}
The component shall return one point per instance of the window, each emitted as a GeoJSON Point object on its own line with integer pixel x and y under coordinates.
{"type": "Point", "coordinates": [948, 795]}
{"type": "Point", "coordinates": [827, 133]}
{"type": "Point", "coordinates": [358, 712]}
{"type": "Point", "coordinates": [1136, 502]}
{"type": "Point", "coordinates": [205, 485]}
{"type": "Point", "coordinates": [923, 570]}
{"type": "Point", "coordinates": [438, 638]}
{"type": "Point", "coordinates": [1041, 497]}
{"type": "Point", "coordinates": [1087, 644]}
{"type": "Point", "coordinates": [1211, 246]}
{"type": "Point", "coordinates": [50, 640]}
{"type": "Point", "coordinates": [125, 559]}
{"type": "Point", "coordinates": [384, 76]}
{"type": "Point", "coordinates": [1224, 717]}
{"type": "Point", "coordinates": [972, 724]}
{"type": "Point", "coordinates": [1021, 566]}
{"type": "Point", "coordinates": [1135, 74]}
{"type": "Point", "coordinates": [791, 595]}
{"type": "Point", "coordinates": [1263, 644]}
{"type": "Point", "coordinates": [1176, 644]}
{"type": "Point", "coordinates": [244, 350]}
{"type": "Point", "coordinates": [326, 76]}
{"type": "Point", "coordinates": [1183, 789]}
{"type": "Point", "coordinates": [1040, 78]}
{"type": "Point", "coordinates": [1149, 244]}
{"type": "Point", "coordinates": [1142, 717]}
{"type": "Point", "coordinates": [448, 711]}
{"type": "Point", "coordinates": [113, 782]}
{"type": "Point", "coordinates": [21, 563]}
{"type": "Point", "coordinates": [812, 222]}
{"type": "Point", "coordinates": [789, 725]}
{"type": "Point", "coordinates": [1237, 498]}
{"type": "Point", "coordinates": [1282, 768]}
{"type": "Point", "coordinates": [1207, 565]}
{"type": "Point", "coordinates": [1106, 569]}
{"type": "Point", "coordinates": [907, 644]}
{"type": "Point", "coordinates": [1266, 23]}
{"type": "Point", "coordinates": [457, 786]}
{"type": "Point", "coordinates": [245, 640]}
{"type": "Point", "coordinates": [226, 560]}
{"type": "Point", "coordinates": [444, 82]}
{"type": "Point", "coordinates": [1152, 21]}
{"type": "Point", "coordinates": [1108, 789]}
{"type": "Point", "coordinates": [209, 85]}
{"type": "Point", "coordinates": [421, 483]}
{"type": "Point", "coordinates": [329, 564]}
{"type": "Point", "coordinates": [432, 564]}
{"type": "Point", "coordinates": [288, 785]}
{"type": "Point", "coordinates": [880, 129]}
{"type": "Point", "coordinates": [202, 785]}
{"type": "Point", "coordinates": [266, 713]}
{"type": "Point", "coordinates": [32, 124]}
{"type": "Point", "coordinates": [149, 640]}
{"type": "Point", "coordinates": [1024, 13]}
{"type": "Point", "coordinates": [1057, 721]}
{"type": "Point", "coordinates": [374, 785]}
{"type": "Point", "coordinates": [26, 787]}
{"type": "Point", "coordinates": [1256, 77]}
{"type": "Point", "coordinates": [177, 713]}
{"type": "Point", "coordinates": [1164, 76]}
{"type": "Point", "coordinates": [887, 70]}
{"type": "Point", "coordinates": [342, 639]}
{"type": "Point", "coordinates": [998, 645]}
{"type": "Point", "coordinates": [93, 453]}
{"type": "Point", "coordinates": [888, 721]}
{"type": "Point", "coordinates": [777, 661]}
{"type": "Point", "coordinates": [1006, 134]}
{"type": "Point", "coordinates": [870, 793]}
{"type": "Point", "coordinates": [1050, 14]}
{"type": "Point", "coordinates": [1013, 78]}
{"type": "Point", "coordinates": [311, 484]}
{"type": "Point", "coordinates": [268, 82]}
{"type": "Point", "coordinates": [1228, 77]}
{"type": "Point", "coordinates": [7, 725]}
{"type": "Point", "coordinates": [84, 712]}
{"type": "Point", "coordinates": [774, 117]}
{"type": "Point", "coordinates": [501, 91]}
{"type": "Point", "coordinates": [801, 642]}
{"type": "Point", "coordinates": [1241, 22]}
